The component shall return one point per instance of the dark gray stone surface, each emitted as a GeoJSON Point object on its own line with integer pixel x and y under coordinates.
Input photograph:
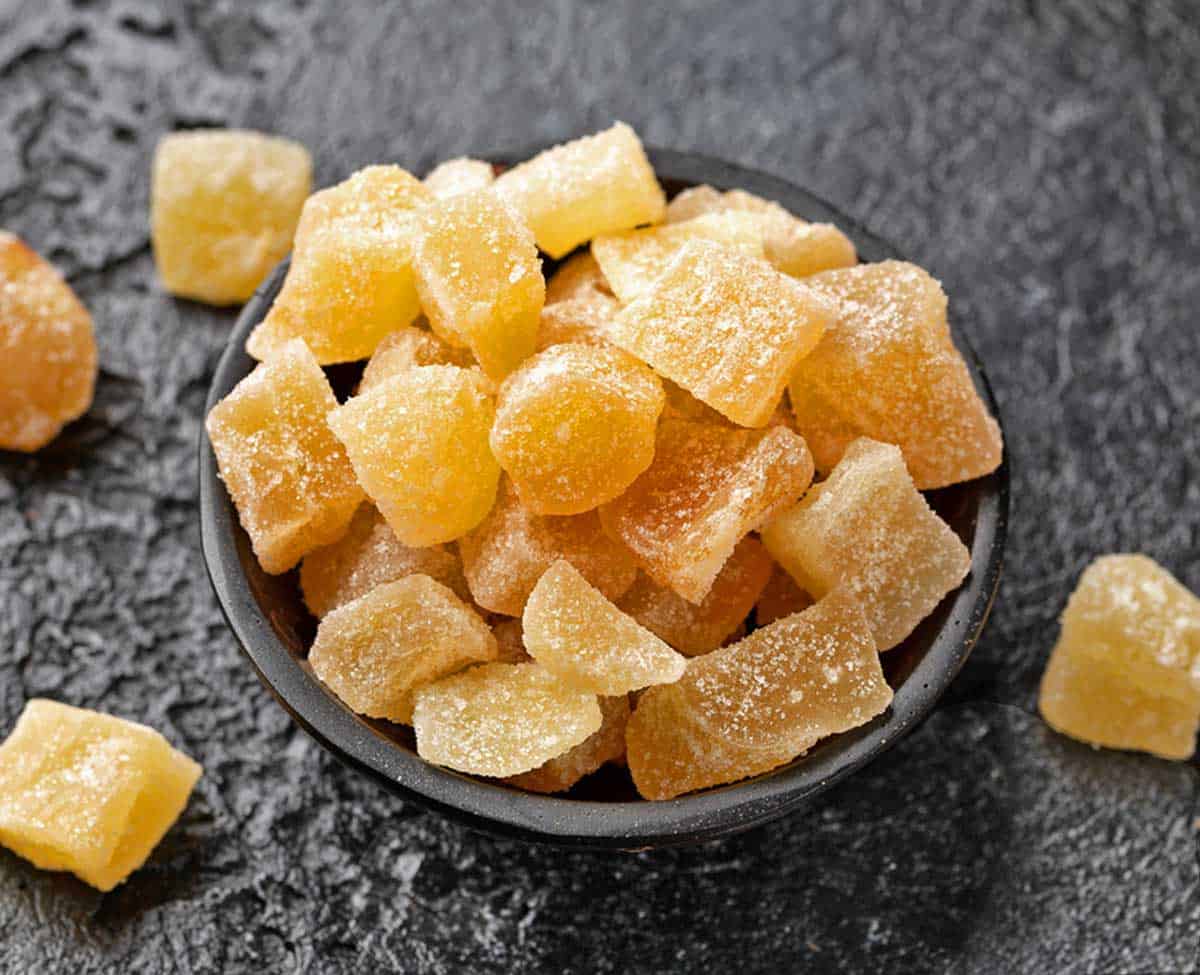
{"type": "Point", "coordinates": [1040, 158]}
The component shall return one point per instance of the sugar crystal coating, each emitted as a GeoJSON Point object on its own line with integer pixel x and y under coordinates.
{"type": "Point", "coordinates": [605, 745]}
{"type": "Point", "coordinates": [780, 597]}
{"type": "Point", "coordinates": [579, 276]}
{"type": "Point", "coordinates": [582, 319]}
{"type": "Point", "coordinates": [462, 175]}
{"type": "Point", "coordinates": [406, 348]}
{"type": "Point", "coordinates": [375, 199]}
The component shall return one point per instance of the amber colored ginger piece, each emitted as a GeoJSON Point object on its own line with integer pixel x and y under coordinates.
{"type": "Point", "coordinates": [419, 446]}
{"type": "Point", "coordinates": [579, 276]}
{"type": "Point", "coordinates": [888, 369]}
{"type": "Point", "coordinates": [868, 528]}
{"type": "Point", "coordinates": [780, 597]}
{"type": "Point", "coordinates": [575, 425]}
{"type": "Point", "coordinates": [510, 642]}
{"type": "Point", "coordinates": [286, 472]}
{"type": "Point", "coordinates": [501, 719]}
{"type": "Point", "coordinates": [462, 175]}
{"type": "Point", "coordinates": [47, 347]}
{"type": "Point", "coordinates": [754, 705]}
{"type": "Point", "coordinates": [407, 348]}
{"type": "Point", "coordinates": [1126, 670]}
{"type": "Point", "coordinates": [709, 485]}
{"type": "Point", "coordinates": [584, 319]}
{"type": "Point", "coordinates": [87, 792]}
{"type": "Point", "coordinates": [726, 327]}
{"type": "Point", "coordinates": [606, 745]}
{"type": "Point", "coordinates": [600, 184]}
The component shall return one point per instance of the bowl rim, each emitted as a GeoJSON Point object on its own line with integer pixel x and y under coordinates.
{"type": "Point", "coordinates": [624, 825]}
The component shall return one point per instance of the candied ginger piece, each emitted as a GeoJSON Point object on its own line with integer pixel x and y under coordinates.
{"type": "Point", "coordinates": [480, 279]}
{"type": "Point", "coordinates": [88, 793]}
{"type": "Point", "coordinates": [584, 319]}
{"type": "Point", "coordinates": [600, 184]}
{"type": "Point", "coordinates": [372, 651]}
{"type": "Point", "coordinates": [375, 199]}
{"type": "Point", "coordinates": [693, 202]}
{"type": "Point", "coordinates": [708, 486]}
{"type": "Point", "coordinates": [223, 207]}
{"type": "Point", "coordinates": [286, 472]}
{"type": "Point", "coordinates": [407, 348]}
{"type": "Point", "coordinates": [507, 554]}
{"type": "Point", "coordinates": [1126, 670]}
{"type": "Point", "coordinates": [780, 597]}
{"type": "Point", "coordinates": [47, 347]}
{"type": "Point", "coordinates": [888, 369]}
{"type": "Point", "coordinates": [750, 707]}
{"type": "Point", "coordinates": [695, 629]}
{"type": "Point", "coordinates": [573, 631]}
{"type": "Point", "coordinates": [606, 745]}
{"type": "Point", "coordinates": [418, 443]}
{"type": "Point", "coordinates": [725, 326]}
{"type": "Point", "coordinates": [501, 719]}
{"type": "Point", "coordinates": [461, 175]}
{"type": "Point", "coordinates": [510, 641]}
{"type": "Point", "coordinates": [867, 528]}
{"type": "Point", "coordinates": [575, 426]}
{"type": "Point", "coordinates": [579, 276]}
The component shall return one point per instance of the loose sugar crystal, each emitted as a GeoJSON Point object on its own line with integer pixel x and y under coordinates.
{"type": "Point", "coordinates": [419, 446]}
{"type": "Point", "coordinates": [510, 642]}
{"type": "Point", "coordinates": [726, 327]}
{"type": "Point", "coordinates": [456, 176]}
{"type": "Point", "coordinates": [868, 529]}
{"type": "Point", "coordinates": [750, 707]}
{"type": "Point", "coordinates": [502, 719]}
{"type": "Point", "coordinates": [406, 348]}
{"type": "Point", "coordinates": [780, 597]}
{"type": "Point", "coordinates": [286, 472]}
{"type": "Point", "coordinates": [600, 184]}
{"type": "Point", "coordinates": [575, 425]}
{"type": "Point", "coordinates": [888, 369]}
{"type": "Point", "coordinates": [606, 745]}
{"type": "Point", "coordinates": [584, 319]}
{"type": "Point", "coordinates": [578, 277]}
{"type": "Point", "coordinates": [47, 347]}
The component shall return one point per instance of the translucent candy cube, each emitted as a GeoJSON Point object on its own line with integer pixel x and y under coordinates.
{"type": "Point", "coordinates": [373, 651]}
{"type": "Point", "coordinates": [461, 175]}
{"type": "Point", "coordinates": [406, 348]}
{"type": "Point", "coordinates": [286, 472]}
{"type": "Point", "coordinates": [575, 426]}
{"type": "Point", "coordinates": [709, 485]}
{"type": "Point", "coordinates": [1126, 670]}
{"type": "Point", "coordinates": [726, 327]}
{"type": "Point", "coordinates": [868, 529]}
{"type": "Point", "coordinates": [750, 707]}
{"type": "Point", "coordinates": [888, 369]}
{"type": "Point", "coordinates": [501, 719]}
{"type": "Point", "coordinates": [606, 745]}
{"type": "Point", "coordinates": [480, 279]}
{"type": "Point", "coordinates": [88, 793]}
{"type": "Point", "coordinates": [584, 319]}
{"type": "Point", "coordinates": [506, 555]}
{"type": "Point", "coordinates": [579, 276]}
{"type": "Point", "coordinates": [223, 207]}
{"type": "Point", "coordinates": [573, 631]}
{"type": "Point", "coordinates": [419, 446]}
{"type": "Point", "coordinates": [600, 184]}
{"type": "Point", "coordinates": [780, 597]}
{"type": "Point", "coordinates": [47, 347]}
{"type": "Point", "coordinates": [375, 199]}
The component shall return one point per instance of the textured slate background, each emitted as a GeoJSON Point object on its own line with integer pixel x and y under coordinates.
{"type": "Point", "coordinates": [1041, 158]}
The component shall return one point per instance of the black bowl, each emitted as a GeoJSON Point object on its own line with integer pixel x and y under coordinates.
{"type": "Point", "coordinates": [270, 621]}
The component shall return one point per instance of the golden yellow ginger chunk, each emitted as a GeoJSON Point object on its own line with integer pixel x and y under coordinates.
{"type": "Point", "coordinates": [579, 276]}
{"type": "Point", "coordinates": [88, 793]}
{"type": "Point", "coordinates": [600, 184]}
{"type": "Point", "coordinates": [223, 207]}
{"type": "Point", "coordinates": [47, 347]}
{"type": "Point", "coordinates": [887, 369]}
{"type": "Point", "coordinates": [407, 348]}
{"type": "Point", "coordinates": [1126, 670]}
{"type": "Point", "coordinates": [368, 555]}
{"type": "Point", "coordinates": [510, 641]}
{"type": "Point", "coordinates": [868, 529]}
{"type": "Point", "coordinates": [375, 199]}
{"type": "Point", "coordinates": [584, 319]}
{"type": "Point", "coordinates": [286, 472]}
{"type": "Point", "coordinates": [507, 554]}
{"type": "Point", "coordinates": [709, 485]}
{"type": "Point", "coordinates": [695, 202]}
{"type": "Point", "coordinates": [573, 631]}
{"type": "Point", "coordinates": [750, 707]}
{"type": "Point", "coordinates": [575, 425]}
{"type": "Point", "coordinates": [419, 446]}
{"type": "Point", "coordinates": [461, 175]}
{"type": "Point", "coordinates": [726, 327]}
{"type": "Point", "coordinates": [606, 745]}
{"type": "Point", "coordinates": [780, 597]}
{"type": "Point", "coordinates": [501, 719]}
{"type": "Point", "coordinates": [373, 651]}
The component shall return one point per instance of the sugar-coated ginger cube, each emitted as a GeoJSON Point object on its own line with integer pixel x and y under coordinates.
{"type": "Point", "coordinates": [867, 528]}
{"type": "Point", "coordinates": [407, 348]}
{"type": "Point", "coordinates": [1126, 670]}
{"type": "Point", "coordinates": [606, 745]}
{"type": "Point", "coordinates": [510, 642]}
{"type": "Point", "coordinates": [378, 199]}
{"type": "Point", "coordinates": [286, 472]}
{"type": "Point", "coordinates": [888, 369]}
{"type": "Point", "coordinates": [600, 184]}
{"type": "Point", "coordinates": [418, 443]}
{"type": "Point", "coordinates": [223, 207]}
{"type": "Point", "coordinates": [750, 707]}
{"type": "Point", "coordinates": [780, 597]}
{"type": "Point", "coordinates": [575, 425]}
{"type": "Point", "coordinates": [501, 719]}
{"type": "Point", "coordinates": [480, 278]}
{"type": "Point", "coordinates": [461, 175]}
{"type": "Point", "coordinates": [709, 485]}
{"type": "Point", "coordinates": [47, 346]}
{"type": "Point", "coordinates": [694, 202]}
{"type": "Point", "coordinates": [579, 276]}
{"type": "Point", "coordinates": [725, 326]}
{"type": "Point", "coordinates": [584, 319]}
{"type": "Point", "coordinates": [87, 792]}
{"type": "Point", "coordinates": [507, 554]}
{"type": "Point", "coordinates": [374, 651]}
{"type": "Point", "coordinates": [573, 631]}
